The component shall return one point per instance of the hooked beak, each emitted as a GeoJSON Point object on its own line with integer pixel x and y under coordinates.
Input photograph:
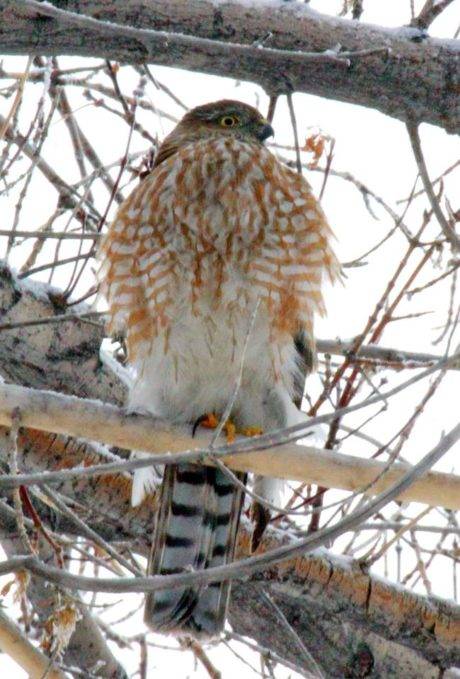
{"type": "Point", "coordinates": [264, 131]}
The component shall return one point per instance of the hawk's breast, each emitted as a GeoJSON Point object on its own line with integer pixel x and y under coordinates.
{"type": "Point", "coordinates": [216, 226]}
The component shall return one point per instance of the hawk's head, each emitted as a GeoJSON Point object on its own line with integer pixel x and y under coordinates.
{"type": "Point", "coordinates": [214, 120]}
{"type": "Point", "coordinates": [230, 118]}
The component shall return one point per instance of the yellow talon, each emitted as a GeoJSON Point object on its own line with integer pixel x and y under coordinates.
{"type": "Point", "coordinates": [210, 421]}
{"type": "Point", "coordinates": [230, 431]}
{"type": "Point", "coordinates": [252, 431]}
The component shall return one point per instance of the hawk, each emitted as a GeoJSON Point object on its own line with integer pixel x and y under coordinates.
{"type": "Point", "coordinates": [213, 270]}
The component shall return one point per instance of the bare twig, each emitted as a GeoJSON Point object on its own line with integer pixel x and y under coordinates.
{"type": "Point", "coordinates": [87, 531]}
{"type": "Point", "coordinates": [199, 653]}
{"type": "Point", "coordinates": [447, 230]}
{"type": "Point", "coordinates": [44, 235]}
{"type": "Point", "coordinates": [295, 132]}
{"type": "Point", "coordinates": [45, 320]}
{"type": "Point", "coordinates": [66, 192]}
{"type": "Point", "coordinates": [14, 470]}
{"type": "Point", "coordinates": [429, 12]}
{"type": "Point", "coordinates": [231, 402]}
{"type": "Point", "coordinates": [310, 663]}
{"type": "Point", "coordinates": [19, 92]}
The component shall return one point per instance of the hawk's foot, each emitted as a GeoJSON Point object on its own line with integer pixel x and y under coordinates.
{"type": "Point", "coordinates": [210, 421]}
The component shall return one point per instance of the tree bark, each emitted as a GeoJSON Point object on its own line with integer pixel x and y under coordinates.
{"type": "Point", "coordinates": [346, 616]}
{"type": "Point", "coordinates": [65, 354]}
{"type": "Point", "coordinates": [400, 72]}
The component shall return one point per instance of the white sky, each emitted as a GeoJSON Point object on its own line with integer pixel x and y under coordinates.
{"type": "Point", "coordinates": [376, 150]}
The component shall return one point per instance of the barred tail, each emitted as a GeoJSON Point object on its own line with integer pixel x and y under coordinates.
{"type": "Point", "coordinates": [196, 529]}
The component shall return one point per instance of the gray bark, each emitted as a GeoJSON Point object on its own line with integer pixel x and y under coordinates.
{"type": "Point", "coordinates": [342, 646]}
{"type": "Point", "coordinates": [412, 76]}
{"type": "Point", "coordinates": [63, 354]}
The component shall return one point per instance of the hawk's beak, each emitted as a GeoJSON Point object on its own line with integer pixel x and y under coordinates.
{"type": "Point", "coordinates": [264, 131]}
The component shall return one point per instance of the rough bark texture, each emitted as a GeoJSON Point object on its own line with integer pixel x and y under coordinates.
{"type": "Point", "coordinates": [65, 354]}
{"type": "Point", "coordinates": [354, 623]}
{"type": "Point", "coordinates": [347, 617]}
{"type": "Point", "coordinates": [413, 76]}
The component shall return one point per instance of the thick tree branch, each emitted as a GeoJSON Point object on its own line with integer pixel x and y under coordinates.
{"type": "Point", "coordinates": [320, 592]}
{"type": "Point", "coordinates": [336, 608]}
{"type": "Point", "coordinates": [409, 75]}
{"type": "Point", "coordinates": [108, 424]}
{"type": "Point", "coordinates": [256, 563]}
{"type": "Point", "coordinates": [63, 355]}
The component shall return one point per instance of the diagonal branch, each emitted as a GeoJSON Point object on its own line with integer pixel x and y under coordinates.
{"type": "Point", "coordinates": [429, 12]}
{"type": "Point", "coordinates": [323, 587]}
{"type": "Point", "coordinates": [244, 567]}
{"type": "Point", "coordinates": [447, 230]}
{"type": "Point", "coordinates": [19, 648]}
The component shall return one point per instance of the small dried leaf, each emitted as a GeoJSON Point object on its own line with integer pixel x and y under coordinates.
{"type": "Point", "coordinates": [5, 590]}
{"type": "Point", "coordinates": [315, 144]}
{"type": "Point", "coordinates": [59, 628]}
{"type": "Point", "coordinates": [22, 580]}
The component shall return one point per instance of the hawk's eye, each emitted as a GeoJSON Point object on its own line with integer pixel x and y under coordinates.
{"type": "Point", "coordinates": [229, 121]}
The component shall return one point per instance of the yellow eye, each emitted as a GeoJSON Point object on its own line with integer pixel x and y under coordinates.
{"type": "Point", "coordinates": [229, 121]}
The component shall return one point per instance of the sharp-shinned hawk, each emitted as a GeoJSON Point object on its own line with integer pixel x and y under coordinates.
{"type": "Point", "coordinates": [219, 235]}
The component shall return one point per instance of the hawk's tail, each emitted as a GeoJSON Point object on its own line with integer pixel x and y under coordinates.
{"type": "Point", "coordinates": [196, 529]}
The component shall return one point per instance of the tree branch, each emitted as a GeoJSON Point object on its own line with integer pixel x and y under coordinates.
{"type": "Point", "coordinates": [336, 608]}
{"type": "Point", "coordinates": [87, 647]}
{"type": "Point", "coordinates": [374, 352]}
{"type": "Point", "coordinates": [108, 424]}
{"type": "Point", "coordinates": [429, 12]}
{"type": "Point", "coordinates": [254, 564]}
{"type": "Point", "coordinates": [64, 355]}
{"type": "Point", "coordinates": [447, 230]}
{"type": "Point", "coordinates": [17, 646]}
{"type": "Point", "coordinates": [408, 75]}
